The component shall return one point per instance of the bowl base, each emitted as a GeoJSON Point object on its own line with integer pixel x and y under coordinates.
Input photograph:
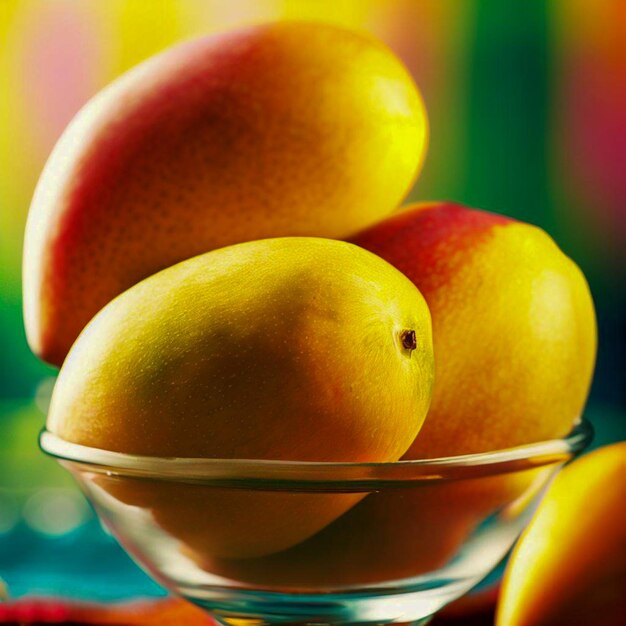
{"type": "Point", "coordinates": [259, 622]}
{"type": "Point", "coordinates": [234, 607]}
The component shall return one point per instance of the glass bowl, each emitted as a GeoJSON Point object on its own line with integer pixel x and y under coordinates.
{"type": "Point", "coordinates": [300, 542]}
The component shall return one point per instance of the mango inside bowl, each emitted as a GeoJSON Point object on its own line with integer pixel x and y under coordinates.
{"type": "Point", "coordinates": [301, 542]}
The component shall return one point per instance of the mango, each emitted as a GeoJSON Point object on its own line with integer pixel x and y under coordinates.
{"type": "Point", "coordinates": [569, 566]}
{"type": "Point", "coordinates": [261, 132]}
{"type": "Point", "coordinates": [300, 349]}
{"type": "Point", "coordinates": [513, 326]}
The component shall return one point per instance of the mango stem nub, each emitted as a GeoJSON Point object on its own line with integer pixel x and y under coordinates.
{"type": "Point", "coordinates": [409, 340]}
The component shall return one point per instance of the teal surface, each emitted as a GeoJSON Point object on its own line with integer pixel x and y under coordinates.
{"type": "Point", "coordinates": [51, 542]}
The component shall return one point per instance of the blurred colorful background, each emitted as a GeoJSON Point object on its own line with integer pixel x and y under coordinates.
{"type": "Point", "coordinates": [527, 104]}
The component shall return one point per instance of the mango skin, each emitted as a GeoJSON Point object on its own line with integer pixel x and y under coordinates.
{"type": "Point", "coordinates": [262, 132]}
{"type": "Point", "coordinates": [281, 349]}
{"type": "Point", "coordinates": [569, 566]}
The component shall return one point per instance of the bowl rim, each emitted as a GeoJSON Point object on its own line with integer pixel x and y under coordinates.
{"type": "Point", "coordinates": [309, 474]}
